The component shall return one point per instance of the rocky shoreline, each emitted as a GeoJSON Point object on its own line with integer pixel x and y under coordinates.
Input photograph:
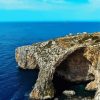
{"type": "Point", "coordinates": [76, 58]}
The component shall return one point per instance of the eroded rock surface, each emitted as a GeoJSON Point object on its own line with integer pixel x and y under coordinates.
{"type": "Point", "coordinates": [76, 58]}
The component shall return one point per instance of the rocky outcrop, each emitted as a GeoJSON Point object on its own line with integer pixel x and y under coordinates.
{"type": "Point", "coordinates": [76, 58]}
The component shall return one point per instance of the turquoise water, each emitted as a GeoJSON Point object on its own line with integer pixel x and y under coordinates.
{"type": "Point", "coordinates": [16, 84]}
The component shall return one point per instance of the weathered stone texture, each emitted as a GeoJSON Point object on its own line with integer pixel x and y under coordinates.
{"type": "Point", "coordinates": [77, 58]}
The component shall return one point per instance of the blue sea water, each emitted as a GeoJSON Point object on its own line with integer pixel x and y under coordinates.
{"type": "Point", "coordinates": [16, 84]}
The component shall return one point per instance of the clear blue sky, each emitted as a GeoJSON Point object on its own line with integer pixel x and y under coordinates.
{"type": "Point", "coordinates": [49, 10]}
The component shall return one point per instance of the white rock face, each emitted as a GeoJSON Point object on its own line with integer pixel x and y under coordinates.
{"type": "Point", "coordinates": [69, 92]}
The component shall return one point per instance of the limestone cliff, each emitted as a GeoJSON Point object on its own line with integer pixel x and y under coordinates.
{"type": "Point", "coordinates": [75, 57]}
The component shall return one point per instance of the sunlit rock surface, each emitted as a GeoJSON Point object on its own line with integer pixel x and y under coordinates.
{"type": "Point", "coordinates": [76, 58]}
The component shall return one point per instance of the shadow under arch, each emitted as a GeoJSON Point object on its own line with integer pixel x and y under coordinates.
{"type": "Point", "coordinates": [72, 74]}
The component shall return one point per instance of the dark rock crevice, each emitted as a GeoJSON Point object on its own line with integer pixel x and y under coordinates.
{"type": "Point", "coordinates": [60, 84]}
{"type": "Point", "coordinates": [72, 74]}
{"type": "Point", "coordinates": [75, 67]}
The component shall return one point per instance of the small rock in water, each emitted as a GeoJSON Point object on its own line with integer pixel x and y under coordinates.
{"type": "Point", "coordinates": [80, 97]}
{"type": "Point", "coordinates": [69, 92]}
{"type": "Point", "coordinates": [56, 99]}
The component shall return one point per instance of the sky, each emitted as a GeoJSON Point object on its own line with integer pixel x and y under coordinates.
{"type": "Point", "coordinates": [49, 10]}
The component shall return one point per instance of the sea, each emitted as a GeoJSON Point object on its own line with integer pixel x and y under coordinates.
{"type": "Point", "coordinates": [16, 84]}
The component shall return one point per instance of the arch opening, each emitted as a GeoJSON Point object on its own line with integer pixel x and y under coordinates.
{"type": "Point", "coordinates": [72, 74]}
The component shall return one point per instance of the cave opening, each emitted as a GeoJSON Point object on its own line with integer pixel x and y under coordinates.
{"type": "Point", "coordinates": [72, 74]}
{"type": "Point", "coordinates": [60, 84]}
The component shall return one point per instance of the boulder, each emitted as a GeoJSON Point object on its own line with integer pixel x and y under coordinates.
{"type": "Point", "coordinates": [69, 92]}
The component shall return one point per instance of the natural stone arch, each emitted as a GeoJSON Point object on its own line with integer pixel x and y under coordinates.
{"type": "Point", "coordinates": [43, 88]}
{"type": "Point", "coordinates": [48, 55]}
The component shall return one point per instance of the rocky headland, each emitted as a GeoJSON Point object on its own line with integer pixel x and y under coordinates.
{"type": "Point", "coordinates": [76, 58]}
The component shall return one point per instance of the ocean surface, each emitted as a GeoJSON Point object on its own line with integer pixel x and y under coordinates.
{"type": "Point", "coordinates": [16, 84]}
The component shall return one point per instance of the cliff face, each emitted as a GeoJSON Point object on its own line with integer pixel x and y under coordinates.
{"type": "Point", "coordinates": [76, 58]}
